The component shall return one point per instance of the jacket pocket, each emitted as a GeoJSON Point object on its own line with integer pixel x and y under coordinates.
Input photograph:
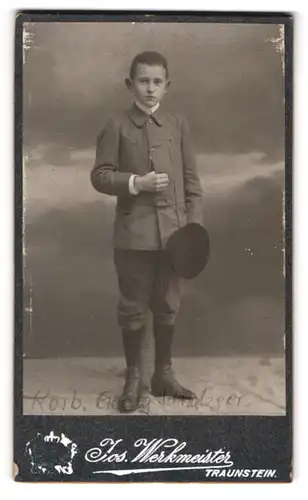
{"type": "Point", "coordinates": [130, 137]}
{"type": "Point", "coordinates": [162, 141]}
{"type": "Point", "coordinates": [124, 206]}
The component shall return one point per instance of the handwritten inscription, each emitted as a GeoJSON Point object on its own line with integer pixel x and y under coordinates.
{"type": "Point", "coordinates": [209, 401]}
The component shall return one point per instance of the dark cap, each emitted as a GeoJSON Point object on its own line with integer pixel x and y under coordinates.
{"type": "Point", "coordinates": [189, 249]}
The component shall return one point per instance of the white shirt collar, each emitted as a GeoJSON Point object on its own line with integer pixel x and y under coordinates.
{"type": "Point", "coordinates": [145, 109]}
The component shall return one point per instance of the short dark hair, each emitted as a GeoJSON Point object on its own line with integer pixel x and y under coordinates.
{"type": "Point", "coordinates": [151, 58]}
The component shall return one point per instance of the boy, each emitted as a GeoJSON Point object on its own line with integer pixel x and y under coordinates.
{"type": "Point", "coordinates": [144, 157]}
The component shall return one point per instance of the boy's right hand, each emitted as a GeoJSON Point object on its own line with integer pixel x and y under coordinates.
{"type": "Point", "coordinates": [152, 182]}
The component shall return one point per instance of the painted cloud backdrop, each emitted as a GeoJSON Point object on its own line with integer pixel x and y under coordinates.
{"type": "Point", "coordinates": [228, 80]}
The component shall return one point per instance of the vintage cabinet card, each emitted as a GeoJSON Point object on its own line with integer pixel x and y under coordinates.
{"type": "Point", "coordinates": [153, 247]}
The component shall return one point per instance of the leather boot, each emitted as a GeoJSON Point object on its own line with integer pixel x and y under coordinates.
{"type": "Point", "coordinates": [163, 382]}
{"type": "Point", "coordinates": [129, 400]}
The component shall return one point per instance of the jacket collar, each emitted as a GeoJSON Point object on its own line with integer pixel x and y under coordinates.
{"type": "Point", "coordinates": [139, 118]}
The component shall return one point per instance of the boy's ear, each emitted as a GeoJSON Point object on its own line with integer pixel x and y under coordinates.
{"type": "Point", "coordinates": [168, 83]}
{"type": "Point", "coordinates": [128, 83]}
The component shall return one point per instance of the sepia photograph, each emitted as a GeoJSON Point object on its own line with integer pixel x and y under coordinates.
{"type": "Point", "coordinates": [153, 168]}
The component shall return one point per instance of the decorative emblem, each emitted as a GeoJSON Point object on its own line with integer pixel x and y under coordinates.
{"type": "Point", "coordinates": [51, 454]}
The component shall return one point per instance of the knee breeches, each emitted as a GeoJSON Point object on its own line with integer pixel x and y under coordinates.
{"type": "Point", "coordinates": [146, 281]}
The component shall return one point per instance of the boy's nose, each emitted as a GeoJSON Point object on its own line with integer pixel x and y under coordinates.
{"type": "Point", "coordinates": [151, 87]}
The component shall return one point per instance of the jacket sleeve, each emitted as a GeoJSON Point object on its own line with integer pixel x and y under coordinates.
{"type": "Point", "coordinates": [105, 175]}
{"type": "Point", "coordinates": [192, 184]}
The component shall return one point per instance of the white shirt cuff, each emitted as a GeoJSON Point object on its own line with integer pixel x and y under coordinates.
{"type": "Point", "coordinates": [131, 186]}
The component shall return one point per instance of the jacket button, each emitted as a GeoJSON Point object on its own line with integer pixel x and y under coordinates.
{"type": "Point", "coordinates": [150, 119]}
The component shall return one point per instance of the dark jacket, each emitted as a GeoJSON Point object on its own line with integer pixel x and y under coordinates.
{"type": "Point", "coordinates": [130, 144]}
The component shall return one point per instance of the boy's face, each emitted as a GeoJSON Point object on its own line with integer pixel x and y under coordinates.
{"type": "Point", "coordinates": [149, 84]}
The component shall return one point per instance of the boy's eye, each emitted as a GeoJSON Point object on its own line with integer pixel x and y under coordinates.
{"type": "Point", "coordinates": [157, 81]}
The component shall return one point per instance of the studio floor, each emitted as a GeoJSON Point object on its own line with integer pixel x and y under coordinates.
{"type": "Point", "coordinates": [91, 386]}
